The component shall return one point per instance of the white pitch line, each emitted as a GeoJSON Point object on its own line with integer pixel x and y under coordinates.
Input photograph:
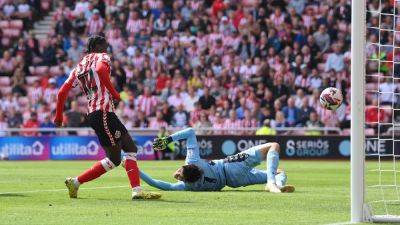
{"type": "Point", "coordinates": [57, 190]}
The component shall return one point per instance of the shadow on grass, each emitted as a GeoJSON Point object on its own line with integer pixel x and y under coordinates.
{"type": "Point", "coordinates": [12, 195]}
{"type": "Point", "coordinates": [139, 200]}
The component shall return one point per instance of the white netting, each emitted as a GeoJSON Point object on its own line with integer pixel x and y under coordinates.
{"type": "Point", "coordinates": [383, 107]}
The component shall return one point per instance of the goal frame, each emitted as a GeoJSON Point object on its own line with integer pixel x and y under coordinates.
{"type": "Point", "coordinates": [360, 210]}
{"type": "Point", "coordinates": [357, 156]}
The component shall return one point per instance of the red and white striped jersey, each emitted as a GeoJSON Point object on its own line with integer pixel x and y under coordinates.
{"type": "Point", "coordinates": [146, 104]}
{"type": "Point", "coordinates": [88, 79]}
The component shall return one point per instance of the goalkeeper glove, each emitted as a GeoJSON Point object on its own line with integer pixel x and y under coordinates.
{"type": "Point", "coordinates": [160, 144]}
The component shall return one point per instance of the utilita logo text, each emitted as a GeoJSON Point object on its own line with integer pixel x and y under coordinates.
{"type": "Point", "coordinates": [21, 149]}
{"type": "Point", "coordinates": [92, 148]}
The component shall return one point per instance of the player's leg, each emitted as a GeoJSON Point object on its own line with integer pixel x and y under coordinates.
{"type": "Point", "coordinates": [255, 155]}
{"type": "Point", "coordinates": [281, 179]}
{"type": "Point", "coordinates": [100, 122]}
{"type": "Point", "coordinates": [112, 160]}
{"type": "Point", "coordinates": [132, 170]}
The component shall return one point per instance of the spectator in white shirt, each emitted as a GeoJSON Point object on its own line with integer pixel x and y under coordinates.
{"type": "Point", "coordinates": [335, 60]}
{"type": "Point", "coordinates": [181, 117]}
{"type": "Point", "coordinates": [177, 99]}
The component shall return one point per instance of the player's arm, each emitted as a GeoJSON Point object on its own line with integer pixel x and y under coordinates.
{"type": "Point", "coordinates": [61, 97]}
{"type": "Point", "coordinates": [188, 134]}
{"type": "Point", "coordinates": [162, 185]}
{"type": "Point", "coordinates": [103, 70]}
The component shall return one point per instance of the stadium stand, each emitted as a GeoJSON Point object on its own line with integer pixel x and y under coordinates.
{"type": "Point", "coordinates": [232, 64]}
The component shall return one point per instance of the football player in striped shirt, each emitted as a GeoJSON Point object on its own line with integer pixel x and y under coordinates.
{"type": "Point", "coordinates": [92, 74]}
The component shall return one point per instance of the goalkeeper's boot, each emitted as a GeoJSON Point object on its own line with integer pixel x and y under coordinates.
{"type": "Point", "coordinates": [145, 195]}
{"type": "Point", "coordinates": [272, 187]}
{"type": "Point", "coordinates": [72, 187]}
{"type": "Point", "coordinates": [287, 189]}
{"type": "Point", "coordinates": [160, 144]}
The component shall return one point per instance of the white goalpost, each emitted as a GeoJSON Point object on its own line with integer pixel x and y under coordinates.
{"type": "Point", "coordinates": [375, 192]}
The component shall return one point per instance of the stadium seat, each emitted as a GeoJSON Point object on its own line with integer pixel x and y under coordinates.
{"type": "Point", "coordinates": [5, 90]}
{"type": "Point", "coordinates": [16, 24]}
{"type": "Point", "coordinates": [5, 81]}
{"type": "Point", "coordinates": [31, 79]}
{"type": "Point", "coordinates": [11, 32]}
{"type": "Point", "coordinates": [5, 41]}
{"type": "Point", "coordinates": [4, 24]}
{"type": "Point", "coordinates": [54, 70]}
{"type": "Point", "coordinates": [346, 132]}
{"type": "Point", "coordinates": [41, 70]}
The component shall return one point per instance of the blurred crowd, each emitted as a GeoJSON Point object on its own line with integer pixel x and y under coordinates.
{"type": "Point", "coordinates": [208, 64]}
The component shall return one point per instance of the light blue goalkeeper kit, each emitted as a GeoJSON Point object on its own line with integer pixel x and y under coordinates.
{"type": "Point", "coordinates": [233, 171]}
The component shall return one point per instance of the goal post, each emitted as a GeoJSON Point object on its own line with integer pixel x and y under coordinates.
{"type": "Point", "coordinates": [358, 31]}
{"type": "Point", "coordinates": [375, 77]}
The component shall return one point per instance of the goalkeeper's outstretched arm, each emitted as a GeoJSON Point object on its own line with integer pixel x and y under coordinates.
{"type": "Point", "coordinates": [162, 185]}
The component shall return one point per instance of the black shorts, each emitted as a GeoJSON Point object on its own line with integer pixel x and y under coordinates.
{"type": "Point", "coordinates": [107, 126]}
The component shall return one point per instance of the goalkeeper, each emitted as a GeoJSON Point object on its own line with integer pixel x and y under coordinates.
{"type": "Point", "coordinates": [233, 171]}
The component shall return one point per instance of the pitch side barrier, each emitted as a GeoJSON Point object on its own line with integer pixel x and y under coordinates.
{"type": "Point", "coordinates": [60, 145]}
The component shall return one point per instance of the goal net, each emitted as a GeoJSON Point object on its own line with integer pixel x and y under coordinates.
{"type": "Point", "coordinates": [376, 181]}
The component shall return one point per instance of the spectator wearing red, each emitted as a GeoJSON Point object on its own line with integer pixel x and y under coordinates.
{"type": "Point", "coordinates": [33, 122]}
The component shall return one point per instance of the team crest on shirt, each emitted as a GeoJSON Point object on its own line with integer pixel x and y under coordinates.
{"type": "Point", "coordinates": [117, 134]}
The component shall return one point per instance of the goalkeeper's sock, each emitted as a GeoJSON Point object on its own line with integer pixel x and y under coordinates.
{"type": "Point", "coordinates": [272, 164]}
{"type": "Point", "coordinates": [98, 169]}
{"type": "Point", "coordinates": [132, 170]}
{"type": "Point", "coordinates": [281, 179]}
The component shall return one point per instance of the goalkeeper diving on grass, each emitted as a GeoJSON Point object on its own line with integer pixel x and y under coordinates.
{"type": "Point", "coordinates": [234, 171]}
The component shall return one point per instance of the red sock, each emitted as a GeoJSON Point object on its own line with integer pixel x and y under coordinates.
{"type": "Point", "coordinates": [98, 169]}
{"type": "Point", "coordinates": [132, 170]}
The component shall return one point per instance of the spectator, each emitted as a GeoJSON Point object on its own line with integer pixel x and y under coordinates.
{"type": "Point", "coordinates": [3, 125]}
{"type": "Point", "coordinates": [142, 121]}
{"type": "Point", "coordinates": [279, 121]}
{"type": "Point", "coordinates": [161, 24]}
{"type": "Point", "coordinates": [74, 117]}
{"type": "Point", "coordinates": [291, 113]}
{"type": "Point", "coordinates": [75, 51]}
{"type": "Point", "coordinates": [266, 129]}
{"type": "Point", "coordinates": [206, 101]}
{"type": "Point", "coordinates": [178, 98]}
{"type": "Point", "coordinates": [7, 64]}
{"type": "Point", "coordinates": [374, 114]}
{"type": "Point", "coordinates": [304, 112]}
{"type": "Point", "coordinates": [47, 123]}
{"type": "Point", "coordinates": [335, 60]}
{"type": "Point", "coordinates": [48, 54]}
{"type": "Point", "coordinates": [63, 26]}
{"type": "Point", "coordinates": [203, 125]}
{"type": "Point", "coordinates": [322, 38]}
{"type": "Point", "coordinates": [95, 24]}
{"type": "Point", "coordinates": [158, 122]}
{"type": "Point", "coordinates": [50, 93]}
{"type": "Point", "coordinates": [180, 118]}
{"type": "Point", "coordinates": [31, 123]}
{"type": "Point", "coordinates": [313, 122]}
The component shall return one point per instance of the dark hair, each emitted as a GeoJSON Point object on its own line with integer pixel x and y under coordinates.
{"type": "Point", "coordinates": [94, 44]}
{"type": "Point", "coordinates": [191, 173]}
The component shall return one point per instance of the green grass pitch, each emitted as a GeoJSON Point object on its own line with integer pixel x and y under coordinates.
{"type": "Point", "coordinates": [34, 193]}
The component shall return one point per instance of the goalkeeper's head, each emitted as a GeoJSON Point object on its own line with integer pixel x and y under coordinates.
{"type": "Point", "coordinates": [188, 173]}
{"type": "Point", "coordinates": [96, 44]}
